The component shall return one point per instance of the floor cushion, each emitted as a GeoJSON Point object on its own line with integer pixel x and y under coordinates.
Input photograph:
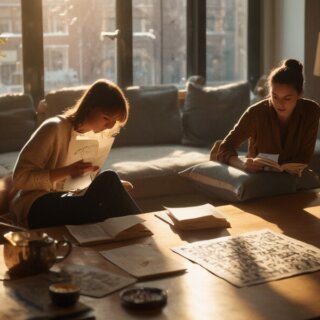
{"type": "Point", "coordinates": [224, 182]}
{"type": "Point", "coordinates": [153, 170]}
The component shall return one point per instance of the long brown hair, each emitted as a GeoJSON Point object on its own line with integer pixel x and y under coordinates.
{"type": "Point", "coordinates": [102, 94]}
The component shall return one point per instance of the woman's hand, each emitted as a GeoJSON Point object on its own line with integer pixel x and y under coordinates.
{"type": "Point", "coordinates": [79, 168]}
{"type": "Point", "coordinates": [245, 164]}
{"type": "Point", "coordinates": [252, 167]}
{"type": "Point", "coordinates": [127, 185]}
{"type": "Point", "coordinates": [74, 170]}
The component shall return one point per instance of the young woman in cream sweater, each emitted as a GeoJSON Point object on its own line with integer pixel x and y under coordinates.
{"type": "Point", "coordinates": [43, 170]}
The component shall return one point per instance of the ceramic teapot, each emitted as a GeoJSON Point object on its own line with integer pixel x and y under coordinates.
{"type": "Point", "coordinates": [31, 252]}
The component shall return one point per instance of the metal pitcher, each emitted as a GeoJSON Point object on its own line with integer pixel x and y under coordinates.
{"type": "Point", "coordinates": [27, 253]}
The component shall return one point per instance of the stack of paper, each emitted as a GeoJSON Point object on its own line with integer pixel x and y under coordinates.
{"type": "Point", "coordinates": [193, 218]}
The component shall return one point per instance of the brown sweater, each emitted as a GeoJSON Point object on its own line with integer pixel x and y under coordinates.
{"type": "Point", "coordinates": [259, 124]}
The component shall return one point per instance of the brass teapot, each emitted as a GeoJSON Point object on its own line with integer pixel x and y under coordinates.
{"type": "Point", "coordinates": [31, 252]}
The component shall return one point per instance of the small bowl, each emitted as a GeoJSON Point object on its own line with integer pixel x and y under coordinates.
{"type": "Point", "coordinates": [143, 297]}
{"type": "Point", "coordinates": [64, 294]}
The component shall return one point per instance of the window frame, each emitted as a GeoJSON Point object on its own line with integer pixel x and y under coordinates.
{"type": "Point", "coordinates": [32, 49]}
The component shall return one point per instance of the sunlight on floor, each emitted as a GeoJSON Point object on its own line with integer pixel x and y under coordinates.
{"type": "Point", "coordinates": [291, 290]}
{"type": "Point", "coordinates": [315, 211]}
{"type": "Point", "coordinates": [195, 298]}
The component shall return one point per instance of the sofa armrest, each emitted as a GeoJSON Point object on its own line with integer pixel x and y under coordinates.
{"type": "Point", "coordinates": [18, 120]}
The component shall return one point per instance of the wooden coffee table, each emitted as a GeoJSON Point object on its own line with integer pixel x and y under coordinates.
{"type": "Point", "coordinates": [199, 294]}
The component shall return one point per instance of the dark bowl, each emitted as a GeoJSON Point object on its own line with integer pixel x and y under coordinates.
{"type": "Point", "coordinates": [64, 294]}
{"type": "Point", "coordinates": [143, 297]}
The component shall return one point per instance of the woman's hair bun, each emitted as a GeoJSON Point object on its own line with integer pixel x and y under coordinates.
{"type": "Point", "coordinates": [289, 72]}
{"type": "Point", "coordinates": [293, 64]}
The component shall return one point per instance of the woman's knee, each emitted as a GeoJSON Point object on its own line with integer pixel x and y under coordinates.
{"type": "Point", "coordinates": [108, 177]}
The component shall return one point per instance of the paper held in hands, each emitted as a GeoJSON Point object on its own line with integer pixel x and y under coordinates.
{"type": "Point", "coordinates": [93, 148]}
{"type": "Point", "coordinates": [270, 161]}
{"type": "Point", "coordinates": [193, 218]}
{"type": "Point", "coordinates": [112, 229]}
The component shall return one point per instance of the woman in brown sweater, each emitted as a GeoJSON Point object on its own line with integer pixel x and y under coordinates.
{"type": "Point", "coordinates": [284, 125]}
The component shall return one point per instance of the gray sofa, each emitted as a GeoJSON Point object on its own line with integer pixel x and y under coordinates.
{"type": "Point", "coordinates": [160, 139]}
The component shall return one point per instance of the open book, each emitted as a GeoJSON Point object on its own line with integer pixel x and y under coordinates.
{"type": "Point", "coordinates": [112, 229]}
{"type": "Point", "coordinates": [271, 163]}
{"type": "Point", "coordinates": [194, 218]}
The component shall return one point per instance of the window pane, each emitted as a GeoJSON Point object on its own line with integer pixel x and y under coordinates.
{"type": "Point", "coordinates": [159, 41]}
{"type": "Point", "coordinates": [226, 40]}
{"type": "Point", "coordinates": [11, 79]}
{"type": "Point", "coordinates": [75, 52]}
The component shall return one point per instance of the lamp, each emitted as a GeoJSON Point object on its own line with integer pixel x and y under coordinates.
{"type": "Point", "coordinates": [316, 70]}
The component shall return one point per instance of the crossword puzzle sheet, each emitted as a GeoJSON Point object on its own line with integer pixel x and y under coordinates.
{"type": "Point", "coordinates": [253, 257]}
{"type": "Point", "coordinates": [95, 282]}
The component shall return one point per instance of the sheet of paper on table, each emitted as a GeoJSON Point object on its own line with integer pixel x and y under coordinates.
{"type": "Point", "coordinates": [96, 282]}
{"type": "Point", "coordinates": [143, 261]}
{"type": "Point", "coordinates": [253, 257]}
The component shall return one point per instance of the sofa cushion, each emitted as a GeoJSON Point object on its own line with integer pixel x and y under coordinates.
{"type": "Point", "coordinates": [153, 170]}
{"type": "Point", "coordinates": [224, 182]}
{"type": "Point", "coordinates": [7, 161]}
{"type": "Point", "coordinates": [56, 102]}
{"type": "Point", "coordinates": [211, 112]}
{"type": "Point", "coordinates": [17, 121]}
{"type": "Point", "coordinates": [3, 171]}
{"type": "Point", "coordinates": [154, 117]}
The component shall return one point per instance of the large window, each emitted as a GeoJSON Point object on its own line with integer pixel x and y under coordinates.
{"type": "Point", "coordinates": [226, 40]}
{"type": "Point", "coordinates": [77, 49]}
{"type": "Point", "coordinates": [159, 41]}
{"type": "Point", "coordinates": [89, 39]}
{"type": "Point", "coordinates": [10, 47]}
{"type": "Point", "coordinates": [81, 41]}
{"type": "Point", "coordinates": [132, 42]}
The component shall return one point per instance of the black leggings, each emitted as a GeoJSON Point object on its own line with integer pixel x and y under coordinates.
{"type": "Point", "coordinates": [105, 198]}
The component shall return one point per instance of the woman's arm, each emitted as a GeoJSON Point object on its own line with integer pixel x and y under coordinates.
{"type": "Point", "coordinates": [240, 133]}
{"type": "Point", "coordinates": [32, 169]}
{"type": "Point", "coordinates": [37, 165]}
{"type": "Point", "coordinates": [75, 169]}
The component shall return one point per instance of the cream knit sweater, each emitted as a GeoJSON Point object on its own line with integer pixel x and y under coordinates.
{"type": "Point", "coordinates": [46, 149]}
